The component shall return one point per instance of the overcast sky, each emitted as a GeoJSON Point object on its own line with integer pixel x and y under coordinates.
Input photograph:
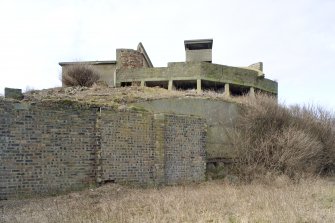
{"type": "Point", "coordinates": [294, 38]}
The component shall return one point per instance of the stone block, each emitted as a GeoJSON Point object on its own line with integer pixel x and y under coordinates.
{"type": "Point", "coordinates": [13, 93]}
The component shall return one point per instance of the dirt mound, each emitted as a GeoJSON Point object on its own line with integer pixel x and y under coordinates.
{"type": "Point", "coordinates": [102, 95]}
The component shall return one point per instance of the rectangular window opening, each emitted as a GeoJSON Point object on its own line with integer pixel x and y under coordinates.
{"type": "Point", "coordinates": [185, 84]}
{"type": "Point", "coordinates": [217, 87]}
{"type": "Point", "coordinates": [125, 84]}
{"type": "Point", "coordinates": [161, 84]}
{"type": "Point", "coordinates": [238, 90]}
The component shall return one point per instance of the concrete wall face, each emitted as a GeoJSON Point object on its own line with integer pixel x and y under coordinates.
{"type": "Point", "coordinates": [219, 117]}
{"type": "Point", "coordinates": [50, 148]}
{"type": "Point", "coordinates": [176, 71]}
{"type": "Point", "coordinates": [204, 55]}
{"type": "Point", "coordinates": [106, 72]}
{"type": "Point", "coordinates": [195, 70]}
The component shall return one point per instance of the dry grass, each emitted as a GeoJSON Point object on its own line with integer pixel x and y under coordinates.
{"type": "Point", "coordinates": [108, 96]}
{"type": "Point", "coordinates": [279, 200]}
{"type": "Point", "coordinates": [270, 137]}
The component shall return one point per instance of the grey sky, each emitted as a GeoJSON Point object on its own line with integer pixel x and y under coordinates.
{"type": "Point", "coordinates": [295, 39]}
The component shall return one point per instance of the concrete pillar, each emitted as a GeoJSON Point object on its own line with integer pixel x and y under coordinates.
{"type": "Point", "coordinates": [142, 83]}
{"type": "Point", "coordinates": [170, 85]}
{"type": "Point", "coordinates": [198, 86]}
{"type": "Point", "coordinates": [226, 90]}
{"type": "Point", "coordinates": [252, 91]}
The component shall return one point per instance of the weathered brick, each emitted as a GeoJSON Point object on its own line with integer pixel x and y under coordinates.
{"type": "Point", "coordinates": [51, 148]}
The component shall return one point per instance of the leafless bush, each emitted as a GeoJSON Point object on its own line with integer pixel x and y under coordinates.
{"type": "Point", "coordinates": [273, 138]}
{"type": "Point", "coordinates": [80, 75]}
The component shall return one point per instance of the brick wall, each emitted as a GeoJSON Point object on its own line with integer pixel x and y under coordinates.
{"type": "Point", "coordinates": [184, 149]}
{"type": "Point", "coordinates": [143, 148]}
{"type": "Point", "coordinates": [127, 147]}
{"type": "Point", "coordinates": [47, 148]}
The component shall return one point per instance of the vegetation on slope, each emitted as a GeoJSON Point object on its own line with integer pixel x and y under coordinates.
{"type": "Point", "coordinates": [273, 143]}
{"type": "Point", "coordinates": [270, 138]}
{"type": "Point", "coordinates": [310, 200]}
{"type": "Point", "coordinates": [109, 96]}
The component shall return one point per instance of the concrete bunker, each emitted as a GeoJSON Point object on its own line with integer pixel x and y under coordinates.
{"type": "Point", "coordinates": [134, 67]}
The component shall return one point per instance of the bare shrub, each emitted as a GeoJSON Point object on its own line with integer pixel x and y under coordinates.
{"type": "Point", "coordinates": [80, 75]}
{"type": "Point", "coordinates": [273, 138]}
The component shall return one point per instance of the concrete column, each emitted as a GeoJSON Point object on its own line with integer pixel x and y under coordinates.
{"type": "Point", "coordinates": [252, 91]}
{"type": "Point", "coordinates": [198, 86]}
{"type": "Point", "coordinates": [142, 83]}
{"type": "Point", "coordinates": [170, 85]}
{"type": "Point", "coordinates": [226, 90]}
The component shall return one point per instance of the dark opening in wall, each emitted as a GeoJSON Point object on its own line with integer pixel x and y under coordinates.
{"type": "Point", "coordinates": [161, 84]}
{"type": "Point", "coordinates": [238, 90]}
{"type": "Point", "coordinates": [212, 86]}
{"type": "Point", "coordinates": [125, 84]}
{"type": "Point", "coordinates": [185, 84]}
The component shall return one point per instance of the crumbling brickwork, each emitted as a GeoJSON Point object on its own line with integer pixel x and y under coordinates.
{"type": "Point", "coordinates": [128, 58]}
